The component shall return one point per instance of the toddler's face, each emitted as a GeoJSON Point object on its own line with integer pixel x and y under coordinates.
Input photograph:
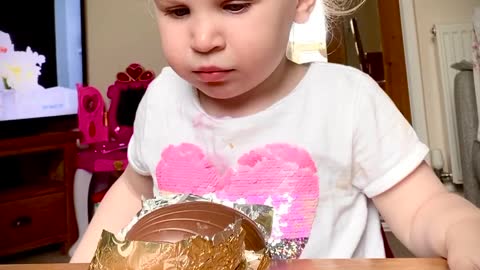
{"type": "Point", "coordinates": [225, 48]}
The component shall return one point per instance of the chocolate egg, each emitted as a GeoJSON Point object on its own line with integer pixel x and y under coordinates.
{"type": "Point", "coordinates": [181, 221]}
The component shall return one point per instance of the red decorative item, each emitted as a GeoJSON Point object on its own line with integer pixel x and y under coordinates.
{"type": "Point", "coordinates": [123, 77]}
{"type": "Point", "coordinates": [90, 102]}
{"type": "Point", "coordinates": [135, 72]}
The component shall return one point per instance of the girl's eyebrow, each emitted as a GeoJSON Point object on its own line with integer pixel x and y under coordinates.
{"type": "Point", "coordinates": [163, 3]}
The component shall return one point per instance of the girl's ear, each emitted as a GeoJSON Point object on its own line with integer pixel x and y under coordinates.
{"type": "Point", "coordinates": [304, 9]}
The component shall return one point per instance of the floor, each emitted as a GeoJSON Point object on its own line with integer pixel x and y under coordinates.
{"type": "Point", "coordinates": [52, 254]}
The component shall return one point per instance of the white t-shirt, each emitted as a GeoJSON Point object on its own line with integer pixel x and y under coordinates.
{"type": "Point", "coordinates": [317, 155]}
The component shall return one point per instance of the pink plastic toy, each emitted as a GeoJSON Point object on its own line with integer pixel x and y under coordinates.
{"type": "Point", "coordinates": [105, 133]}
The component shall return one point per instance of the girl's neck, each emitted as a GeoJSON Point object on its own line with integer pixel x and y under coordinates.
{"type": "Point", "coordinates": [278, 85]}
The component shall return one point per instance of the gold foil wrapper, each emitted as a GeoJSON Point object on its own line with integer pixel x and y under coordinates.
{"type": "Point", "coordinates": [226, 250]}
{"type": "Point", "coordinates": [261, 214]}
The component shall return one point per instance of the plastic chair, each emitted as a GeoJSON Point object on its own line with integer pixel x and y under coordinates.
{"type": "Point", "coordinates": [105, 134]}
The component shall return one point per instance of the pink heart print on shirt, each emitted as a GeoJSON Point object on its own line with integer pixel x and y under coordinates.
{"type": "Point", "coordinates": [278, 175]}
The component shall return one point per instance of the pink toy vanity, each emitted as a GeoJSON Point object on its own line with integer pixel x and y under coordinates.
{"type": "Point", "coordinates": [105, 133]}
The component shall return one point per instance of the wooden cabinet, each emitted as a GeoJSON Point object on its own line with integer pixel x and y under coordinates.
{"type": "Point", "coordinates": [36, 192]}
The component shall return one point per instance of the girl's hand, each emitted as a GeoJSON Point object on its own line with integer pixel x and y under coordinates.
{"type": "Point", "coordinates": [463, 245]}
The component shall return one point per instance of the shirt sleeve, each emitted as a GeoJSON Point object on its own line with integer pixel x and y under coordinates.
{"type": "Point", "coordinates": [135, 151]}
{"type": "Point", "coordinates": [386, 149]}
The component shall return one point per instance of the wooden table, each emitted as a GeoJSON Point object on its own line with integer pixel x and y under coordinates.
{"type": "Point", "coordinates": [383, 264]}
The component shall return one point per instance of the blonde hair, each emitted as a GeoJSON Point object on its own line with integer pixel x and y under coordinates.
{"type": "Point", "coordinates": [339, 8]}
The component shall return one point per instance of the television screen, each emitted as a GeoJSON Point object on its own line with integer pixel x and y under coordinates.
{"type": "Point", "coordinates": [41, 58]}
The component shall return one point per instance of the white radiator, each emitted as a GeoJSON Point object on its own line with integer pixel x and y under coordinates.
{"type": "Point", "coordinates": [454, 44]}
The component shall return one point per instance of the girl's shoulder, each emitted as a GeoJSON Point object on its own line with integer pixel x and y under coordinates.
{"type": "Point", "coordinates": [167, 78]}
{"type": "Point", "coordinates": [168, 86]}
{"type": "Point", "coordinates": [334, 72]}
{"type": "Point", "coordinates": [342, 79]}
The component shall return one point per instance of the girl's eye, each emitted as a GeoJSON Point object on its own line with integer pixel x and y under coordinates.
{"type": "Point", "coordinates": [178, 12]}
{"type": "Point", "coordinates": [236, 8]}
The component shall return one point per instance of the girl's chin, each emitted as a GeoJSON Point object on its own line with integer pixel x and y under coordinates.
{"type": "Point", "coordinates": [218, 96]}
{"type": "Point", "coordinates": [217, 92]}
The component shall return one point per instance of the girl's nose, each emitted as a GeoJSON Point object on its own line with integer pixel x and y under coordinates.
{"type": "Point", "coordinates": [206, 36]}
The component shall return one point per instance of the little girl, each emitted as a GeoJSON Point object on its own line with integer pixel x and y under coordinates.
{"type": "Point", "coordinates": [322, 143]}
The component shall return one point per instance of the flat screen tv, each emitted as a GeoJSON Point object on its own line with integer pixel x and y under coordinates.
{"type": "Point", "coordinates": [53, 31]}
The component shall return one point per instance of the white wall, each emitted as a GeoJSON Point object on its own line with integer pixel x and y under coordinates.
{"type": "Point", "coordinates": [118, 33]}
{"type": "Point", "coordinates": [428, 13]}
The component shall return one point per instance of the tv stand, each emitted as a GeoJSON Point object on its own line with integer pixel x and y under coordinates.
{"type": "Point", "coordinates": [36, 191]}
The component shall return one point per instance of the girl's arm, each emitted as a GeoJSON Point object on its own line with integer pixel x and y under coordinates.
{"type": "Point", "coordinates": [431, 221]}
{"type": "Point", "coordinates": [118, 207]}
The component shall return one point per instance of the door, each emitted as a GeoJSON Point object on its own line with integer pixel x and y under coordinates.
{"type": "Point", "coordinates": [391, 39]}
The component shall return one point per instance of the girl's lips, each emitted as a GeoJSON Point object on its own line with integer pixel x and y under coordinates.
{"type": "Point", "coordinates": [212, 74]}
